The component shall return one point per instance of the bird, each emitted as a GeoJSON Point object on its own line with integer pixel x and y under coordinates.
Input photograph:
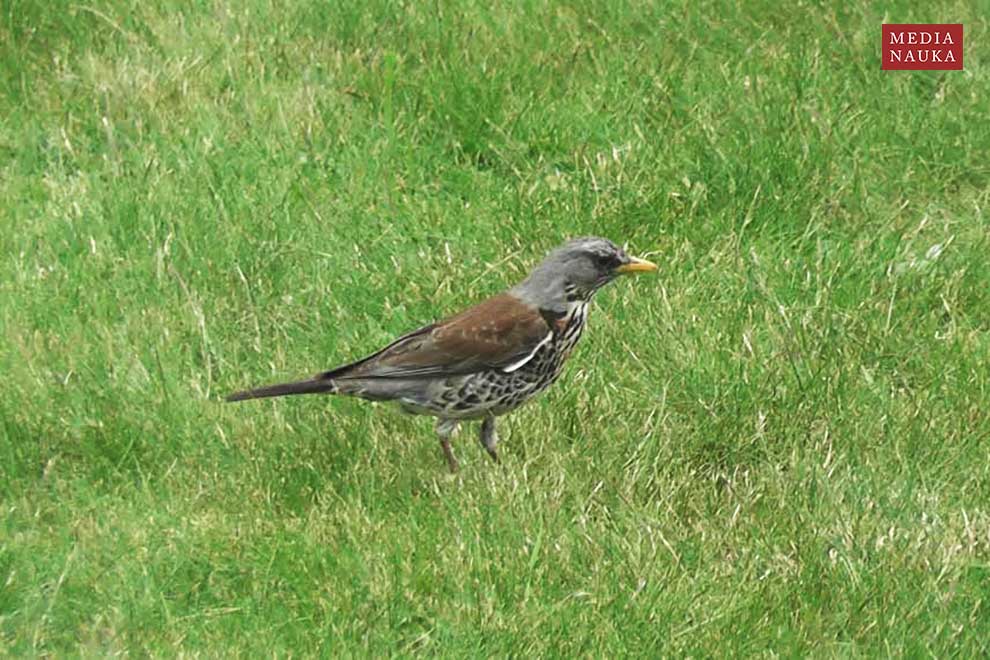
{"type": "Point", "coordinates": [489, 359]}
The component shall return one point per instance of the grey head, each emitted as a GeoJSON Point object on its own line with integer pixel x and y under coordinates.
{"type": "Point", "coordinates": [575, 271]}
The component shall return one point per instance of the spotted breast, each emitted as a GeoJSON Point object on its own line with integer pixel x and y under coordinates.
{"type": "Point", "coordinates": [498, 391]}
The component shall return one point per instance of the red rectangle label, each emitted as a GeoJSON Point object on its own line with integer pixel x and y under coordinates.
{"type": "Point", "coordinates": [922, 46]}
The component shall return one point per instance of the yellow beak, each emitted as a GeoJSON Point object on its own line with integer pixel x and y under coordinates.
{"type": "Point", "coordinates": [637, 266]}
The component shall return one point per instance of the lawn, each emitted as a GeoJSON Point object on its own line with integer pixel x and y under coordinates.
{"type": "Point", "coordinates": [779, 445]}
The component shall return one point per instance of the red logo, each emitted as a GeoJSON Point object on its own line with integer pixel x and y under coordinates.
{"type": "Point", "coordinates": [922, 46]}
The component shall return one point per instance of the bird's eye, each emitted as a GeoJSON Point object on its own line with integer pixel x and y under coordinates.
{"type": "Point", "coordinates": [606, 261]}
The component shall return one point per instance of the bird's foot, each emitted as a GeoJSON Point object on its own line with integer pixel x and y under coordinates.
{"type": "Point", "coordinates": [489, 438]}
{"type": "Point", "coordinates": [449, 455]}
{"type": "Point", "coordinates": [446, 428]}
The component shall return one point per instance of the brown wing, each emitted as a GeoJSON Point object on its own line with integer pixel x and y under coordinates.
{"type": "Point", "coordinates": [496, 333]}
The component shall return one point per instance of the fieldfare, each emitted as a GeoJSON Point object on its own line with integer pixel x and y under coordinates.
{"type": "Point", "coordinates": [489, 359]}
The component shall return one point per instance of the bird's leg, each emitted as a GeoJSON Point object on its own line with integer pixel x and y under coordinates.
{"type": "Point", "coordinates": [489, 438]}
{"type": "Point", "coordinates": [446, 428]}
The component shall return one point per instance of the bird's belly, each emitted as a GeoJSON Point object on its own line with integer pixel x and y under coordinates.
{"type": "Point", "coordinates": [455, 397]}
{"type": "Point", "coordinates": [494, 391]}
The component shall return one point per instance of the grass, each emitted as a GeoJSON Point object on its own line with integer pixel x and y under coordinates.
{"type": "Point", "coordinates": [778, 446]}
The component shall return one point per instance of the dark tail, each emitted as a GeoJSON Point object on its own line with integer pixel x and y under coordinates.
{"type": "Point", "coordinates": [311, 386]}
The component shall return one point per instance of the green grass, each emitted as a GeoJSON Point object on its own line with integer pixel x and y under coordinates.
{"type": "Point", "coordinates": [778, 446]}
